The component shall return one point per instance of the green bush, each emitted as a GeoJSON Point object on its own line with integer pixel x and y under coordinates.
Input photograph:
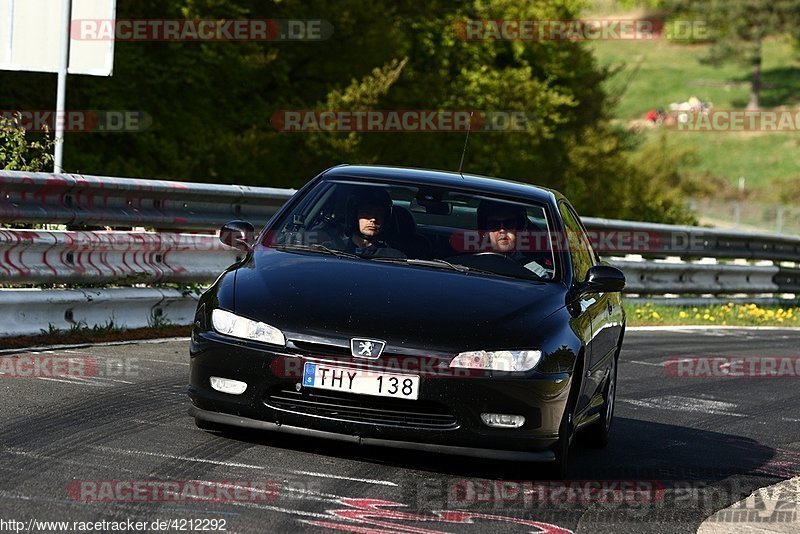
{"type": "Point", "coordinates": [18, 153]}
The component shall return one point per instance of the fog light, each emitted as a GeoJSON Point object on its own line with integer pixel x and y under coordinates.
{"type": "Point", "coordinates": [502, 420]}
{"type": "Point", "coordinates": [226, 385]}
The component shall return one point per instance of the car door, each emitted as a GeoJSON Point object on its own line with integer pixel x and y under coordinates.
{"type": "Point", "coordinates": [606, 322]}
{"type": "Point", "coordinates": [588, 307]}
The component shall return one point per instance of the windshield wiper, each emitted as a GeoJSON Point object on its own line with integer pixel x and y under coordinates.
{"type": "Point", "coordinates": [439, 263]}
{"type": "Point", "coordinates": [317, 248]}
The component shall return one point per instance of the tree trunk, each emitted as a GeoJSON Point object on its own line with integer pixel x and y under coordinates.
{"type": "Point", "coordinates": [755, 81]}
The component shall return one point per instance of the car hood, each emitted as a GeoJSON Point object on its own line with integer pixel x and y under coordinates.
{"type": "Point", "coordinates": [408, 307]}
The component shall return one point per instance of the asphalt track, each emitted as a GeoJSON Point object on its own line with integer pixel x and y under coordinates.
{"type": "Point", "coordinates": [682, 448]}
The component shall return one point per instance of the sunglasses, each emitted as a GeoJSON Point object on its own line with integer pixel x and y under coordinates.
{"type": "Point", "coordinates": [507, 224]}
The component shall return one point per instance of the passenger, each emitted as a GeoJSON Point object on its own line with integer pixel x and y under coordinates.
{"type": "Point", "coordinates": [368, 213]}
{"type": "Point", "coordinates": [502, 222]}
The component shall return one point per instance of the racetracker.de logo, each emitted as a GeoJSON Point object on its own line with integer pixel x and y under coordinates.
{"type": "Point", "coordinates": [75, 121]}
{"type": "Point", "coordinates": [53, 367]}
{"type": "Point", "coordinates": [609, 241]}
{"type": "Point", "coordinates": [201, 30]}
{"type": "Point", "coordinates": [733, 367]}
{"type": "Point", "coordinates": [410, 120]}
{"type": "Point", "coordinates": [581, 30]}
{"type": "Point", "coordinates": [428, 367]}
{"type": "Point", "coordinates": [473, 492]}
{"type": "Point", "coordinates": [726, 120]}
{"type": "Point", "coordinates": [172, 490]}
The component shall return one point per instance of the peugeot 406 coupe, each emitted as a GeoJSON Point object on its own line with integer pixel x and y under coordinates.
{"type": "Point", "coordinates": [410, 308]}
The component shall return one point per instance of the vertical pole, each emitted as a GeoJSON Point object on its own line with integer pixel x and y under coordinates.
{"type": "Point", "coordinates": [739, 201]}
{"type": "Point", "coordinates": [61, 97]}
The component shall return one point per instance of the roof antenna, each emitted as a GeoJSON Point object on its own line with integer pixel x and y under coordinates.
{"type": "Point", "coordinates": [466, 140]}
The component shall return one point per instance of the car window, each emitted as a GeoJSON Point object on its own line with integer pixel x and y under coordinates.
{"type": "Point", "coordinates": [579, 246]}
{"type": "Point", "coordinates": [476, 232]}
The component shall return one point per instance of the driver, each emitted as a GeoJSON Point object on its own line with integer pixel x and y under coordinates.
{"type": "Point", "coordinates": [502, 222]}
{"type": "Point", "coordinates": [368, 211]}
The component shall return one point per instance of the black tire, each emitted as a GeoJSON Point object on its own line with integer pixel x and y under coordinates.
{"type": "Point", "coordinates": [560, 467]}
{"type": "Point", "coordinates": [597, 434]}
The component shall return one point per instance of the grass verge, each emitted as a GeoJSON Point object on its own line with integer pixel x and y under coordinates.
{"type": "Point", "coordinates": [730, 314]}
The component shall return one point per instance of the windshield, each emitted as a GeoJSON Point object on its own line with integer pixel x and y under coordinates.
{"type": "Point", "coordinates": [420, 226]}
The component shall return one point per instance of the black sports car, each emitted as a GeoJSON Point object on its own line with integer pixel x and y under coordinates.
{"type": "Point", "coordinates": [413, 308]}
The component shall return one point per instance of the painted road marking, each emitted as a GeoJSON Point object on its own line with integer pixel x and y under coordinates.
{"type": "Point", "coordinates": [177, 457]}
{"type": "Point", "coordinates": [686, 404]}
{"type": "Point", "coordinates": [339, 477]}
{"type": "Point", "coordinates": [771, 509]}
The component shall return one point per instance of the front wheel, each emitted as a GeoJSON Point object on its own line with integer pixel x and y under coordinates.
{"type": "Point", "coordinates": [597, 435]}
{"type": "Point", "coordinates": [559, 468]}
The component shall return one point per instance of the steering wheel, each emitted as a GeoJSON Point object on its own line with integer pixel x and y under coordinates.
{"type": "Point", "coordinates": [497, 262]}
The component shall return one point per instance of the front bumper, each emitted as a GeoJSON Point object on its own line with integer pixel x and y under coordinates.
{"type": "Point", "coordinates": [445, 418]}
{"type": "Point", "coordinates": [494, 454]}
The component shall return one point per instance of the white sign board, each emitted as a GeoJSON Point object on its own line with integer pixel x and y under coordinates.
{"type": "Point", "coordinates": [30, 32]}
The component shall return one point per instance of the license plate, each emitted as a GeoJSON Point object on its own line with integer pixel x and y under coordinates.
{"type": "Point", "coordinates": [360, 381]}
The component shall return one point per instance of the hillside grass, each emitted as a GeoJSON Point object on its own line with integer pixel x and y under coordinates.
{"type": "Point", "coordinates": [653, 74]}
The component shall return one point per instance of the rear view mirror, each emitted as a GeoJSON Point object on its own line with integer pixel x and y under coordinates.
{"type": "Point", "coordinates": [430, 202]}
{"type": "Point", "coordinates": [604, 279]}
{"type": "Point", "coordinates": [238, 234]}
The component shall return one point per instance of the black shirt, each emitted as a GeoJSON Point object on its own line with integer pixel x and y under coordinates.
{"type": "Point", "coordinates": [378, 248]}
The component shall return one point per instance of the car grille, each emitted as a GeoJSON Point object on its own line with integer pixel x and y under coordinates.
{"type": "Point", "coordinates": [320, 349]}
{"type": "Point", "coordinates": [375, 411]}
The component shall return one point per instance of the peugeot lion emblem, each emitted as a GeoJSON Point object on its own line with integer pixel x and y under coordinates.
{"type": "Point", "coordinates": [366, 348]}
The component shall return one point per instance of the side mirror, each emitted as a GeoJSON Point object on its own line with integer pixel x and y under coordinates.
{"type": "Point", "coordinates": [238, 234]}
{"type": "Point", "coordinates": [604, 279]}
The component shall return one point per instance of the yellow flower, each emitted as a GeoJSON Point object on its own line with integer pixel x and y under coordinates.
{"type": "Point", "coordinates": [683, 315]}
{"type": "Point", "coordinates": [656, 315]}
{"type": "Point", "coordinates": [697, 316]}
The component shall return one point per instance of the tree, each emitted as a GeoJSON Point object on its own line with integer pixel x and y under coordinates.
{"type": "Point", "coordinates": [211, 102]}
{"type": "Point", "coordinates": [18, 153]}
{"type": "Point", "coordinates": [738, 29]}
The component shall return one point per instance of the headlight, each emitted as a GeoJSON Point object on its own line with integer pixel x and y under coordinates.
{"type": "Point", "coordinates": [231, 324]}
{"type": "Point", "coordinates": [499, 360]}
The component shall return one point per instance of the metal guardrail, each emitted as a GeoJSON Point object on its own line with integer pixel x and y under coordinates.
{"type": "Point", "coordinates": [127, 258]}
{"type": "Point", "coordinates": [699, 278]}
{"type": "Point", "coordinates": [122, 258]}
{"type": "Point", "coordinates": [73, 199]}
{"type": "Point", "coordinates": [615, 237]}
{"type": "Point", "coordinates": [33, 311]}
{"type": "Point", "coordinates": [133, 257]}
